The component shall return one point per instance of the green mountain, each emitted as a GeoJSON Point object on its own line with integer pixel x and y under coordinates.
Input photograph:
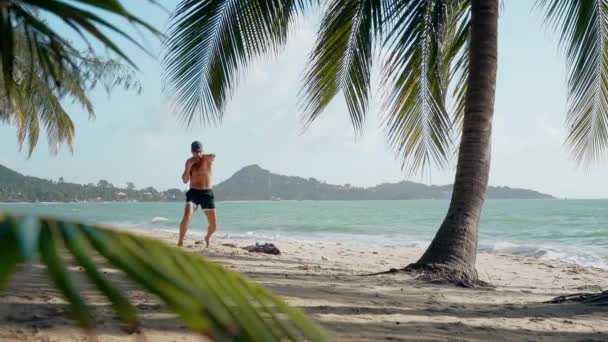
{"type": "Point", "coordinates": [251, 183]}
{"type": "Point", "coordinates": [254, 183]}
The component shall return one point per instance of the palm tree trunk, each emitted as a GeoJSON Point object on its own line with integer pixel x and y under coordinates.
{"type": "Point", "coordinates": [453, 251]}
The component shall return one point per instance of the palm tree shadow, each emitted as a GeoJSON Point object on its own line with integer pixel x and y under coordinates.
{"type": "Point", "coordinates": [393, 307]}
{"type": "Point", "coordinates": [32, 303]}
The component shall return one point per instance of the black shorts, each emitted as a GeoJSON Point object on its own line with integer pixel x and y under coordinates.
{"type": "Point", "coordinates": [204, 198]}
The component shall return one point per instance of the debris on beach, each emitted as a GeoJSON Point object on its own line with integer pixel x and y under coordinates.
{"type": "Point", "coordinates": [267, 248]}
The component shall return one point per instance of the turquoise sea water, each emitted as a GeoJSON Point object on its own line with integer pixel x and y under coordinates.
{"type": "Point", "coordinates": [569, 230]}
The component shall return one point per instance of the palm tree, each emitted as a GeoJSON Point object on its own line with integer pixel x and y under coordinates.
{"type": "Point", "coordinates": [425, 48]}
{"type": "Point", "coordinates": [39, 69]}
{"type": "Point", "coordinates": [582, 27]}
{"type": "Point", "coordinates": [452, 253]}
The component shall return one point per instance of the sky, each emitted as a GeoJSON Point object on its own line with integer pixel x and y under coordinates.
{"type": "Point", "coordinates": [136, 138]}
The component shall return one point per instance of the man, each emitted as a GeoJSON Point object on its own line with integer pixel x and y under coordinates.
{"type": "Point", "coordinates": [198, 173]}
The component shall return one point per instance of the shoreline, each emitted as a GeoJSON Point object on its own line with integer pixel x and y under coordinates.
{"type": "Point", "coordinates": [593, 256]}
{"type": "Point", "coordinates": [323, 279]}
{"type": "Point", "coordinates": [357, 241]}
{"type": "Point", "coordinates": [538, 250]}
{"type": "Point", "coordinates": [314, 200]}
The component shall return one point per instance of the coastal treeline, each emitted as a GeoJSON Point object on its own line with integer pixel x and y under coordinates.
{"type": "Point", "coordinates": [15, 187]}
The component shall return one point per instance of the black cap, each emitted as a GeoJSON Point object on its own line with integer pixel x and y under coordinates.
{"type": "Point", "coordinates": [196, 146]}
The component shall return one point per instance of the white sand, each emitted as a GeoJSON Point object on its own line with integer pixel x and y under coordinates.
{"type": "Point", "coordinates": [323, 280]}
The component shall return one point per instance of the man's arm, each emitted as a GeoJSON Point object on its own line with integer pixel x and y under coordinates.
{"type": "Point", "coordinates": [211, 156]}
{"type": "Point", "coordinates": [186, 174]}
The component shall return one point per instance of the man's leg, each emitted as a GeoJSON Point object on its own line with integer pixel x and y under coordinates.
{"type": "Point", "coordinates": [183, 226]}
{"type": "Point", "coordinates": [212, 220]}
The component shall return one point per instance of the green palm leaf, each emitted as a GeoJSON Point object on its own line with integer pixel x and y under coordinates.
{"type": "Point", "coordinates": [47, 48]}
{"type": "Point", "coordinates": [425, 53]}
{"type": "Point", "coordinates": [342, 58]}
{"type": "Point", "coordinates": [209, 299]}
{"type": "Point", "coordinates": [35, 104]}
{"type": "Point", "coordinates": [583, 28]}
{"type": "Point", "coordinates": [211, 40]}
{"type": "Point", "coordinates": [456, 62]}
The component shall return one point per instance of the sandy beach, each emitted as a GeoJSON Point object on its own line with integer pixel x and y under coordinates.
{"type": "Point", "coordinates": [324, 280]}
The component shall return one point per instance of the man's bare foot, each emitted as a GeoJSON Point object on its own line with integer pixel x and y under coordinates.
{"type": "Point", "coordinates": [207, 241]}
{"type": "Point", "coordinates": [179, 244]}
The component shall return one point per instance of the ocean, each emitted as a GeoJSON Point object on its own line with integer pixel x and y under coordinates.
{"type": "Point", "coordinates": [574, 231]}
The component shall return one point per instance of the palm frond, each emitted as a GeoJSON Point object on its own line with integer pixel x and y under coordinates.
{"type": "Point", "coordinates": [211, 40]}
{"type": "Point", "coordinates": [342, 58]}
{"type": "Point", "coordinates": [424, 43]}
{"type": "Point", "coordinates": [35, 104]}
{"type": "Point", "coordinates": [108, 73]}
{"type": "Point", "coordinates": [425, 53]}
{"type": "Point", "coordinates": [207, 298]}
{"type": "Point", "coordinates": [49, 49]}
{"type": "Point", "coordinates": [583, 29]}
{"type": "Point", "coordinates": [457, 62]}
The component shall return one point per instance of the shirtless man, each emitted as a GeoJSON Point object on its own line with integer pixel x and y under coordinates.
{"type": "Point", "coordinates": [198, 173]}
